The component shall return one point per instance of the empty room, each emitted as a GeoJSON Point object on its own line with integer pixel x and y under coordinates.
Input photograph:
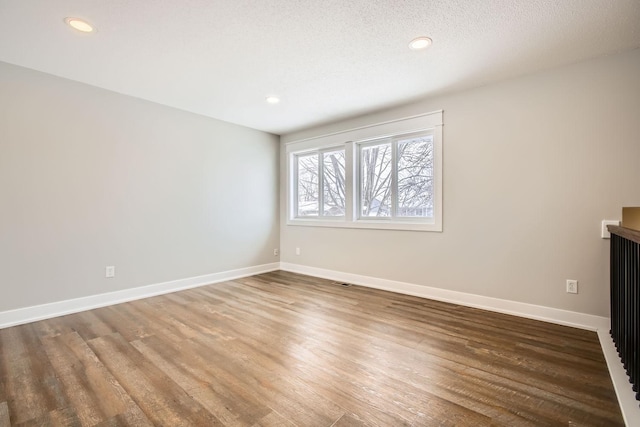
{"type": "Point", "coordinates": [319, 213]}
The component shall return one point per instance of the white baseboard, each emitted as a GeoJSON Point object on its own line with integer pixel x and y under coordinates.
{"type": "Point", "coordinates": [626, 395]}
{"type": "Point", "coordinates": [537, 312]}
{"type": "Point", "coordinates": [61, 308]}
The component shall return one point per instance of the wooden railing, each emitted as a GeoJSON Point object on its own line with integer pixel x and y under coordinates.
{"type": "Point", "coordinates": [625, 300]}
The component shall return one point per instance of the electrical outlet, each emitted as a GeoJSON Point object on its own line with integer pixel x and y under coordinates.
{"type": "Point", "coordinates": [297, 251]}
{"type": "Point", "coordinates": [110, 271]}
{"type": "Point", "coordinates": [572, 286]}
{"type": "Point", "coordinates": [276, 252]}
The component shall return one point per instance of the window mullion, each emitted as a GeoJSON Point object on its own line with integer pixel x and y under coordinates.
{"type": "Point", "coordinates": [394, 179]}
{"type": "Point", "coordinates": [350, 178]}
{"type": "Point", "coordinates": [295, 189]}
{"type": "Point", "coordinates": [358, 181]}
{"type": "Point", "coordinates": [320, 184]}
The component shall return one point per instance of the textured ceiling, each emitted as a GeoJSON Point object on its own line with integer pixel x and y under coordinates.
{"type": "Point", "coordinates": [326, 59]}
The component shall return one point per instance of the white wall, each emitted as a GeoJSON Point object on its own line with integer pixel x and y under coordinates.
{"type": "Point", "coordinates": [90, 178]}
{"type": "Point", "coordinates": [531, 168]}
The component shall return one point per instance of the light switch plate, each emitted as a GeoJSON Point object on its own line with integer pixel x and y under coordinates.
{"type": "Point", "coordinates": [604, 232]}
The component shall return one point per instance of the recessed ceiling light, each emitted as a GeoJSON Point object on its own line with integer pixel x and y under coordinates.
{"type": "Point", "coordinates": [79, 25]}
{"type": "Point", "coordinates": [272, 99]}
{"type": "Point", "coordinates": [420, 43]}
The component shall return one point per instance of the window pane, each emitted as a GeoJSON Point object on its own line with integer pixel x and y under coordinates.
{"type": "Point", "coordinates": [308, 185]}
{"type": "Point", "coordinates": [415, 177]}
{"type": "Point", "coordinates": [334, 183]}
{"type": "Point", "coordinates": [375, 180]}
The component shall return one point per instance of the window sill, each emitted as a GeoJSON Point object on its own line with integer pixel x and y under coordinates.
{"type": "Point", "coordinates": [364, 224]}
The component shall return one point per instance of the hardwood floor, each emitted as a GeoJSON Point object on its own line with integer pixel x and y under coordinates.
{"type": "Point", "coordinates": [282, 349]}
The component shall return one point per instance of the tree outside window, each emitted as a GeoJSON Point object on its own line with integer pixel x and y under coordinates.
{"type": "Point", "coordinates": [321, 170]}
{"type": "Point", "coordinates": [396, 178]}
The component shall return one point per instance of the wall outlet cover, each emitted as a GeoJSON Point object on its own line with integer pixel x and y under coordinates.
{"type": "Point", "coordinates": [110, 271]}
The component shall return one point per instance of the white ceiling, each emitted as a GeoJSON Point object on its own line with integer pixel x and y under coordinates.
{"type": "Point", "coordinates": [326, 59]}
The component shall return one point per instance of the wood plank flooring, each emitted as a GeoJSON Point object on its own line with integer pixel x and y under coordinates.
{"type": "Point", "coordinates": [282, 349]}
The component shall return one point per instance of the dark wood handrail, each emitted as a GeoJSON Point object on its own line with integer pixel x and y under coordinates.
{"type": "Point", "coordinates": [627, 233]}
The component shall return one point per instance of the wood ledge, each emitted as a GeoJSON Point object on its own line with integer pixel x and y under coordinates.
{"type": "Point", "coordinates": [627, 233]}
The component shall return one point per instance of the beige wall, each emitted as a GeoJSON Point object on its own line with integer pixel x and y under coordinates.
{"type": "Point", "coordinates": [90, 178]}
{"type": "Point", "coordinates": [531, 168]}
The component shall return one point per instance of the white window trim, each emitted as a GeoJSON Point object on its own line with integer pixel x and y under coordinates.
{"type": "Point", "coordinates": [414, 124]}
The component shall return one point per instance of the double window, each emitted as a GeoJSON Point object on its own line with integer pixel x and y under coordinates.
{"type": "Point", "coordinates": [385, 179]}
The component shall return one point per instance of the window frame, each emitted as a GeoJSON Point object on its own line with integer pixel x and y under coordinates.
{"type": "Point", "coordinates": [350, 140]}
{"type": "Point", "coordinates": [320, 154]}
{"type": "Point", "coordinates": [393, 141]}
